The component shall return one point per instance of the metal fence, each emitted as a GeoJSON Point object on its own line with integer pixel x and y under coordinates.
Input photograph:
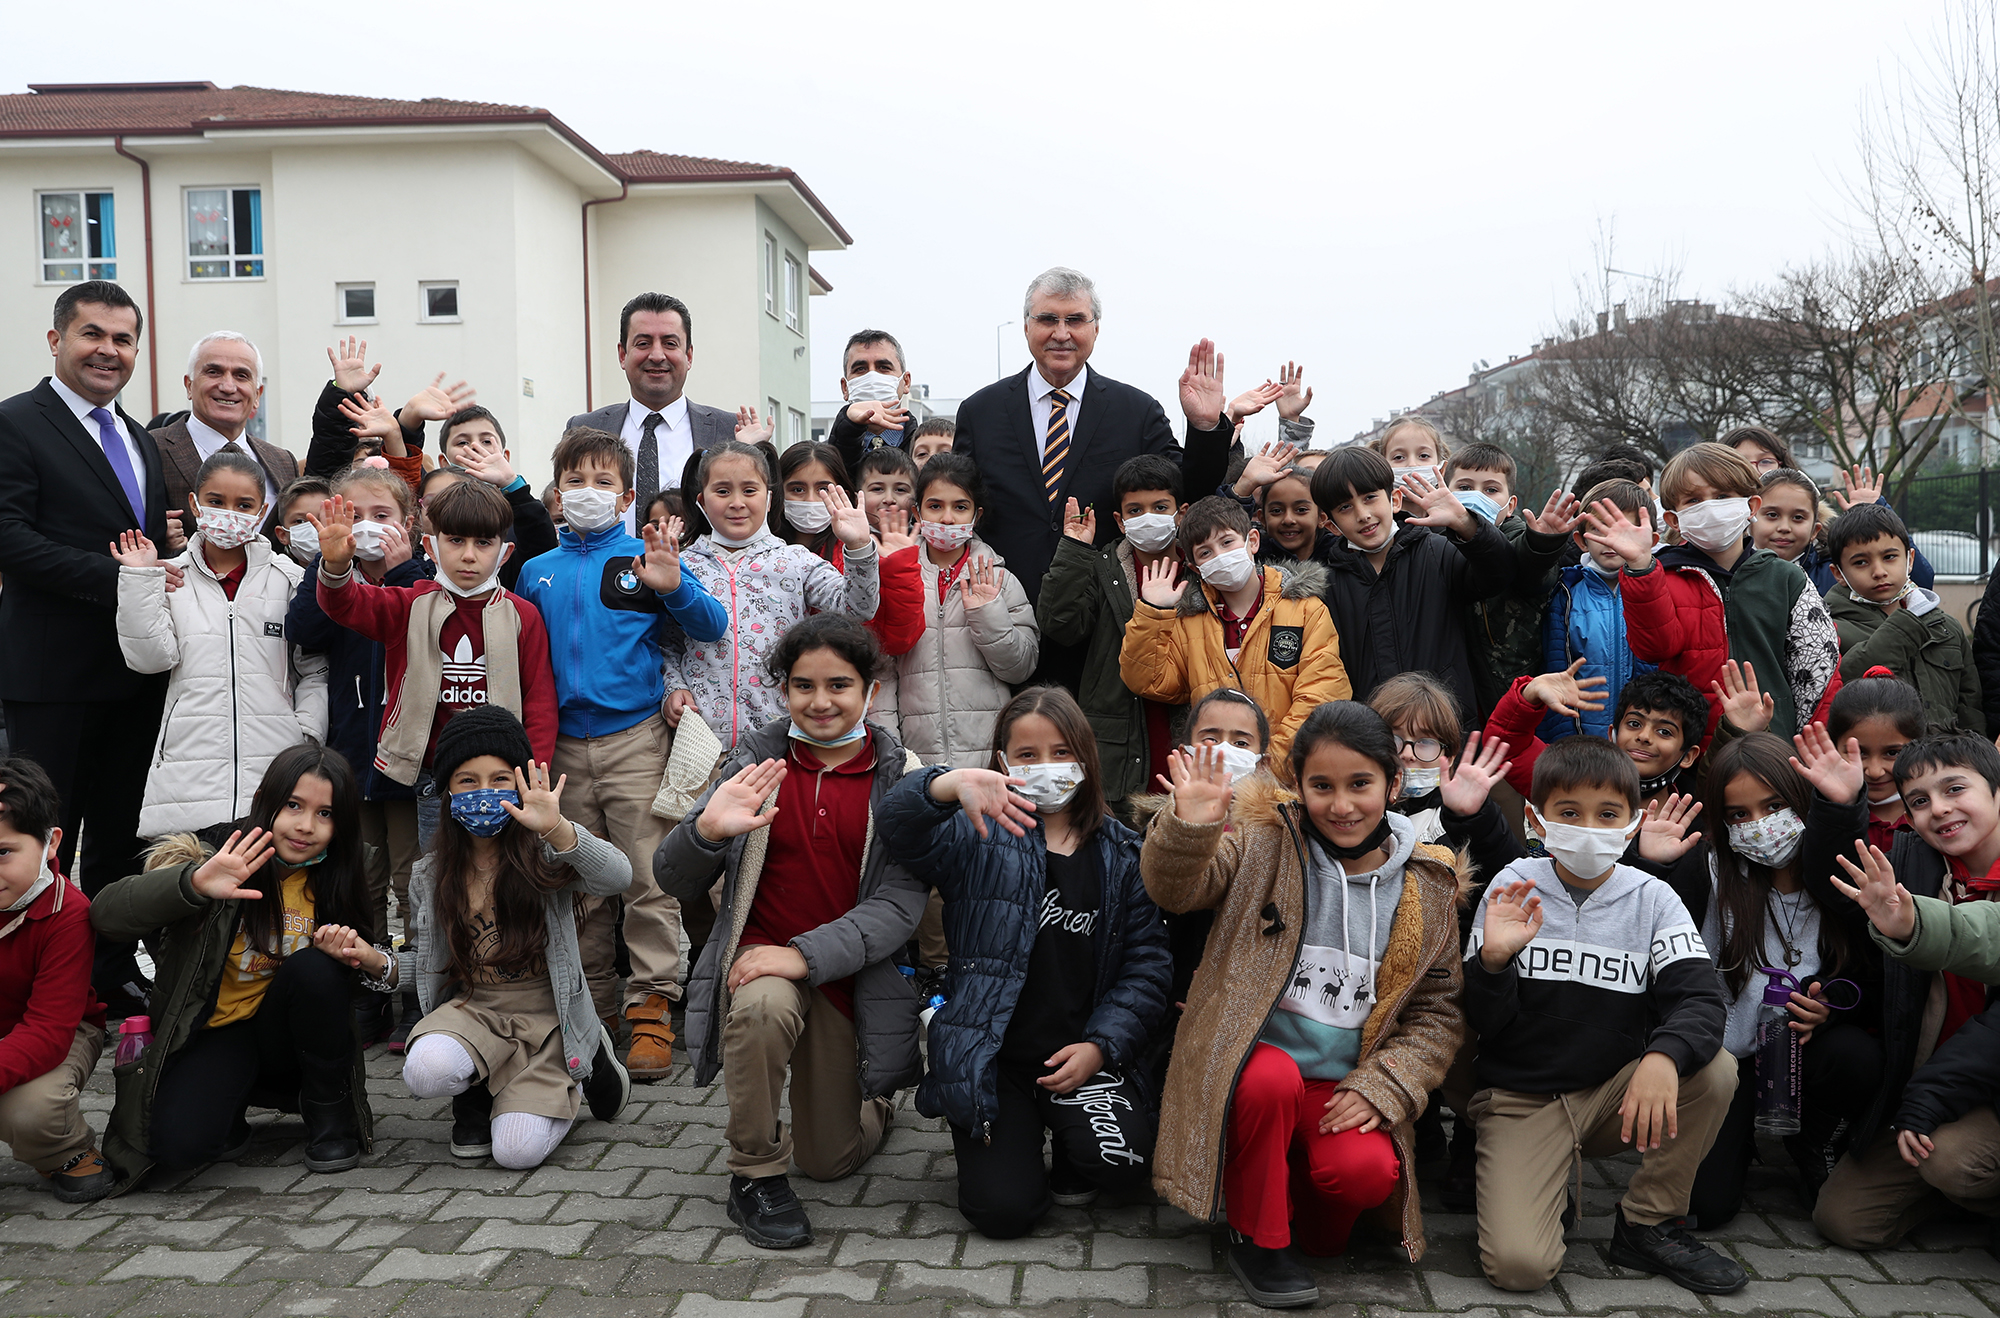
{"type": "Point", "coordinates": [1952, 520]}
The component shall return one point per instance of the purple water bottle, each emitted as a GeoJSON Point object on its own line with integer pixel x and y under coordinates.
{"type": "Point", "coordinates": [1779, 1057]}
{"type": "Point", "coordinates": [135, 1035]}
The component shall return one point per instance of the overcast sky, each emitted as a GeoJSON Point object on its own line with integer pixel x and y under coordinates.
{"type": "Point", "coordinates": [1385, 196]}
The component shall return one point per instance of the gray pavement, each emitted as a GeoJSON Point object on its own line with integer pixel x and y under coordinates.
{"type": "Point", "coordinates": [628, 1219]}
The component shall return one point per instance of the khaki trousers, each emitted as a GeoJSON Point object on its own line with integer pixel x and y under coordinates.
{"type": "Point", "coordinates": [390, 827]}
{"type": "Point", "coordinates": [774, 1022]}
{"type": "Point", "coordinates": [40, 1119]}
{"type": "Point", "coordinates": [1529, 1145]}
{"type": "Point", "coordinates": [612, 782]}
{"type": "Point", "coordinates": [1873, 1197]}
{"type": "Point", "coordinates": [931, 949]}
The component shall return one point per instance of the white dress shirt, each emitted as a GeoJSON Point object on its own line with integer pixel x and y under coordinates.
{"type": "Point", "coordinates": [1039, 405]}
{"type": "Point", "coordinates": [675, 437]}
{"type": "Point", "coordinates": [83, 408]}
{"type": "Point", "coordinates": [208, 441]}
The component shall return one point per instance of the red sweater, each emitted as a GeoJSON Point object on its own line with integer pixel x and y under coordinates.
{"type": "Point", "coordinates": [899, 615]}
{"type": "Point", "coordinates": [45, 988]}
{"type": "Point", "coordinates": [382, 613]}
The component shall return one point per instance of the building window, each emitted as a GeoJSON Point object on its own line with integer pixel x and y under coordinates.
{"type": "Point", "coordinates": [79, 238]}
{"type": "Point", "coordinates": [439, 304]}
{"type": "Point", "coordinates": [354, 304]}
{"type": "Point", "coordinates": [775, 411]}
{"type": "Point", "coordinates": [770, 276]}
{"type": "Point", "coordinates": [796, 431]}
{"type": "Point", "coordinates": [793, 290]}
{"type": "Point", "coordinates": [225, 233]}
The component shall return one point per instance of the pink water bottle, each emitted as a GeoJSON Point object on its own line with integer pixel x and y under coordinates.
{"type": "Point", "coordinates": [135, 1035]}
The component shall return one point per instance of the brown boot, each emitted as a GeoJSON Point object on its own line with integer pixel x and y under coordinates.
{"type": "Point", "coordinates": [84, 1179]}
{"type": "Point", "coordinates": [652, 1053]}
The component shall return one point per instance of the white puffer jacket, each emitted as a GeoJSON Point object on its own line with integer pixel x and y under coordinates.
{"type": "Point", "coordinates": [953, 683]}
{"type": "Point", "coordinates": [238, 693]}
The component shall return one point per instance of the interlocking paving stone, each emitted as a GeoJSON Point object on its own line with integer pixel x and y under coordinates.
{"type": "Point", "coordinates": [1041, 1283]}
{"type": "Point", "coordinates": [854, 1283]}
{"type": "Point", "coordinates": [415, 1265]}
{"type": "Point", "coordinates": [993, 1285]}
{"type": "Point", "coordinates": [1880, 1300]}
{"type": "Point", "coordinates": [202, 1265]}
{"type": "Point", "coordinates": [21, 1229]}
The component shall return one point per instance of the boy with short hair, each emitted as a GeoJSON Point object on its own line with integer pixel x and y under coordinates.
{"type": "Point", "coordinates": [1885, 618]}
{"type": "Point", "coordinates": [450, 643]}
{"type": "Point", "coordinates": [1504, 632]}
{"type": "Point", "coordinates": [1090, 592]}
{"type": "Point", "coordinates": [51, 1023]}
{"type": "Point", "coordinates": [1398, 594]}
{"type": "Point", "coordinates": [1585, 618]}
{"type": "Point", "coordinates": [1575, 937]}
{"type": "Point", "coordinates": [888, 479]}
{"type": "Point", "coordinates": [1930, 1136]}
{"type": "Point", "coordinates": [1660, 722]}
{"type": "Point", "coordinates": [1261, 629]}
{"type": "Point", "coordinates": [1716, 596]}
{"type": "Point", "coordinates": [607, 595]}
{"type": "Point", "coordinates": [931, 438]}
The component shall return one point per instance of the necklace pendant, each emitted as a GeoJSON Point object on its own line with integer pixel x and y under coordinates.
{"type": "Point", "coordinates": [1793, 956]}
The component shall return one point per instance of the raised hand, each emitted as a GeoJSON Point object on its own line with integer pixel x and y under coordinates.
{"type": "Point", "coordinates": [979, 585]}
{"type": "Point", "coordinates": [1254, 401]}
{"type": "Point", "coordinates": [1293, 395]}
{"type": "Point", "coordinates": [1080, 525]}
{"type": "Point", "coordinates": [1160, 583]}
{"type": "Point", "coordinates": [895, 527]}
{"type": "Point", "coordinates": [1513, 918]}
{"type": "Point", "coordinates": [1607, 527]}
{"type": "Point", "coordinates": [491, 467]}
{"type": "Point", "coordinates": [1663, 835]}
{"type": "Point", "coordinates": [371, 420]}
{"type": "Point", "coordinates": [351, 371]}
{"type": "Point", "coordinates": [1464, 788]}
{"type": "Point", "coordinates": [850, 520]}
{"type": "Point", "coordinates": [1862, 486]}
{"type": "Point", "coordinates": [133, 549]}
{"type": "Point", "coordinates": [1441, 507]}
{"type": "Point", "coordinates": [876, 417]}
{"type": "Point", "coordinates": [335, 524]}
{"type": "Point", "coordinates": [1834, 773]}
{"type": "Point", "coordinates": [1202, 398]}
{"type": "Point", "coordinates": [396, 546]}
{"type": "Point", "coordinates": [1746, 707]}
{"type": "Point", "coordinates": [437, 401]}
{"type": "Point", "coordinates": [750, 430]}
{"type": "Point", "coordinates": [540, 811]}
{"type": "Point", "coordinates": [1887, 903]}
{"type": "Point", "coordinates": [1558, 516]}
{"type": "Point", "coordinates": [1200, 785]}
{"type": "Point", "coordinates": [735, 806]}
{"type": "Point", "coordinates": [659, 568]}
{"type": "Point", "coordinates": [985, 795]}
{"type": "Point", "coordinates": [221, 877]}
{"type": "Point", "coordinates": [1265, 466]}
{"type": "Point", "coordinates": [1563, 693]}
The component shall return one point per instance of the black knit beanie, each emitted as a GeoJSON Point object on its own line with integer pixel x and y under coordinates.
{"type": "Point", "coordinates": [482, 730]}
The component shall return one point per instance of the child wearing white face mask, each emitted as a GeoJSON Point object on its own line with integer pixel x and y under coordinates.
{"type": "Point", "coordinates": [1264, 630]}
{"type": "Point", "coordinates": [1060, 968]}
{"type": "Point", "coordinates": [237, 693]}
{"type": "Point", "coordinates": [1715, 596]}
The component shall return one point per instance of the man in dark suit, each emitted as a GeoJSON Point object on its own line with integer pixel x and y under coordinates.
{"type": "Point", "coordinates": [75, 471]}
{"type": "Point", "coordinates": [225, 382]}
{"type": "Point", "coordinates": [662, 428]}
{"type": "Point", "coordinates": [1059, 431]}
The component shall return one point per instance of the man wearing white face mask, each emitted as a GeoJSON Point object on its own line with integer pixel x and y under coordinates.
{"type": "Point", "coordinates": [1600, 1024]}
{"type": "Point", "coordinates": [1715, 596]}
{"type": "Point", "coordinates": [1264, 630]}
{"type": "Point", "coordinates": [874, 380]}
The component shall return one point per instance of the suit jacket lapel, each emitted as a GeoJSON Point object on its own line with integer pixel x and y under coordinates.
{"type": "Point", "coordinates": [1024, 413]}
{"type": "Point", "coordinates": [176, 447]}
{"type": "Point", "coordinates": [86, 444]}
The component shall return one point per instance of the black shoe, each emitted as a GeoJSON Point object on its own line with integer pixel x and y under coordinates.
{"type": "Point", "coordinates": [1460, 1191]}
{"type": "Point", "coordinates": [1433, 1150]}
{"type": "Point", "coordinates": [1569, 1209]}
{"type": "Point", "coordinates": [769, 1213]}
{"type": "Point", "coordinates": [1815, 1164]}
{"type": "Point", "coordinates": [333, 1139]}
{"type": "Point", "coordinates": [374, 1016]}
{"type": "Point", "coordinates": [127, 998]}
{"type": "Point", "coordinates": [472, 1123]}
{"type": "Point", "coordinates": [1271, 1277]}
{"type": "Point", "coordinates": [610, 1085]}
{"type": "Point", "coordinates": [1067, 1185]}
{"type": "Point", "coordinates": [240, 1139]}
{"type": "Point", "coordinates": [1667, 1250]}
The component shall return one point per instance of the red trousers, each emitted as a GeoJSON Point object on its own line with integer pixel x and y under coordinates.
{"type": "Point", "coordinates": [1281, 1169]}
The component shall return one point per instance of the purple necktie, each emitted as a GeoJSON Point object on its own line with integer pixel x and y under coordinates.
{"type": "Point", "coordinates": [121, 461]}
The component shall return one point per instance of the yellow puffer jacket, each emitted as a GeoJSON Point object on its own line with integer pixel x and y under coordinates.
{"type": "Point", "coordinates": [1289, 662]}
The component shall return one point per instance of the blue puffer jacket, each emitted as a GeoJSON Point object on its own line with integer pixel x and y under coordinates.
{"type": "Point", "coordinates": [1586, 618]}
{"type": "Point", "coordinates": [992, 890]}
{"type": "Point", "coordinates": [354, 678]}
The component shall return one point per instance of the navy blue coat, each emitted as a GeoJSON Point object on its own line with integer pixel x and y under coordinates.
{"type": "Point", "coordinates": [354, 678]}
{"type": "Point", "coordinates": [992, 891]}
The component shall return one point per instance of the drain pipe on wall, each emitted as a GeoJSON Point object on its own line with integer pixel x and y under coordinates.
{"type": "Point", "coordinates": [146, 203]}
{"type": "Point", "coordinates": [624, 189]}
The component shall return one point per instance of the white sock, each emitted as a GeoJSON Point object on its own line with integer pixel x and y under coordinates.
{"type": "Point", "coordinates": [522, 1140]}
{"type": "Point", "coordinates": [437, 1066]}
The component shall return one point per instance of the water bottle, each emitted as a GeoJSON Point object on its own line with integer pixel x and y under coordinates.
{"type": "Point", "coordinates": [135, 1036]}
{"type": "Point", "coordinates": [1779, 1058]}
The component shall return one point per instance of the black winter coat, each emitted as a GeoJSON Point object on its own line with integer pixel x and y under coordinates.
{"type": "Point", "coordinates": [355, 677]}
{"type": "Point", "coordinates": [1411, 617]}
{"type": "Point", "coordinates": [992, 891]}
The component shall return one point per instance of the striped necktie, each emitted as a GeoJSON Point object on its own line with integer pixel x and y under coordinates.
{"type": "Point", "coordinates": [1055, 451]}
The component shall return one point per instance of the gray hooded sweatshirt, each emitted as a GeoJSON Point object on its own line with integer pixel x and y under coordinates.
{"type": "Point", "coordinates": [1320, 1015]}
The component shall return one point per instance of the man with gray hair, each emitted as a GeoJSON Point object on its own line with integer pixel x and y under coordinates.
{"type": "Point", "coordinates": [1059, 431]}
{"type": "Point", "coordinates": [225, 383]}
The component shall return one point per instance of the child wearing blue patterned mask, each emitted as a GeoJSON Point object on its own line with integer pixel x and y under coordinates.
{"type": "Point", "coordinates": [509, 1030]}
